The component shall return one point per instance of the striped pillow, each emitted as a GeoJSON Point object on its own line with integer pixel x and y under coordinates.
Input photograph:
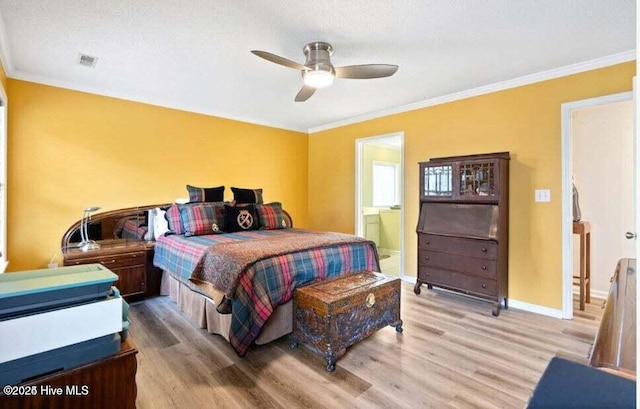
{"type": "Point", "coordinates": [271, 216]}
{"type": "Point", "coordinates": [174, 219]}
{"type": "Point", "coordinates": [205, 194]}
{"type": "Point", "coordinates": [202, 218]}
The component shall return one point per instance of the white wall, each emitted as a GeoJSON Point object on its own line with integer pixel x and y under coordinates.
{"type": "Point", "coordinates": [602, 167]}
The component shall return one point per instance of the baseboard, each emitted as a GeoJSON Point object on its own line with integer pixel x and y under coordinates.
{"type": "Point", "coordinates": [388, 252]}
{"type": "Point", "coordinates": [538, 309]}
{"type": "Point", "coordinates": [407, 279]}
{"type": "Point", "coordinates": [594, 294]}
{"type": "Point", "coordinates": [599, 294]}
{"type": "Point", "coordinates": [518, 305]}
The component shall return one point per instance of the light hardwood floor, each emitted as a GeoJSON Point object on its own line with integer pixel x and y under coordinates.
{"type": "Point", "coordinates": [452, 354]}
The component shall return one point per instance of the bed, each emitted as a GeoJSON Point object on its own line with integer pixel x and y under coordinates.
{"type": "Point", "coordinates": [253, 307]}
{"type": "Point", "coordinates": [239, 285]}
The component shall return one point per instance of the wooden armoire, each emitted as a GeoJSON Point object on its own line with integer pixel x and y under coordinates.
{"type": "Point", "coordinates": [463, 226]}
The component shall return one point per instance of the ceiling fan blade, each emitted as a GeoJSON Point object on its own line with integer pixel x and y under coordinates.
{"type": "Point", "coordinates": [278, 60]}
{"type": "Point", "coordinates": [366, 71]}
{"type": "Point", "coordinates": [304, 93]}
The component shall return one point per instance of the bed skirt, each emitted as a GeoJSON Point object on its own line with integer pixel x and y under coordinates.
{"type": "Point", "coordinates": [201, 310]}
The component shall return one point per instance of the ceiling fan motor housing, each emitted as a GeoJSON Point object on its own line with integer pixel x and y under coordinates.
{"type": "Point", "coordinates": [319, 57]}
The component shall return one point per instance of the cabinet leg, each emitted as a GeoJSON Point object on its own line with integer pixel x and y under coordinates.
{"type": "Point", "coordinates": [293, 342]}
{"type": "Point", "coordinates": [398, 325]}
{"type": "Point", "coordinates": [506, 304]}
{"type": "Point", "coordinates": [429, 286]}
{"type": "Point", "coordinates": [416, 288]}
{"type": "Point", "coordinates": [496, 309]}
{"type": "Point", "coordinates": [330, 357]}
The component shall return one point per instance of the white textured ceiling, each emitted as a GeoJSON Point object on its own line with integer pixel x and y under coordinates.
{"type": "Point", "coordinates": [194, 54]}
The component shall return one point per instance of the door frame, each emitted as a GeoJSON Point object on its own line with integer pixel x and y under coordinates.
{"type": "Point", "coordinates": [567, 199]}
{"type": "Point", "coordinates": [360, 142]}
{"type": "Point", "coordinates": [4, 135]}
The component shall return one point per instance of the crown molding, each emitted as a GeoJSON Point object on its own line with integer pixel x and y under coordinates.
{"type": "Point", "coordinates": [487, 89]}
{"type": "Point", "coordinates": [118, 95]}
{"type": "Point", "coordinates": [5, 60]}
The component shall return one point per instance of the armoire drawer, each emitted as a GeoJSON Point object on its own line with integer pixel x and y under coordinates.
{"type": "Point", "coordinates": [459, 281]}
{"type": "Point", "coordinates": [457, 245]}
{"type": "Point", "coordinates": [471, 265]}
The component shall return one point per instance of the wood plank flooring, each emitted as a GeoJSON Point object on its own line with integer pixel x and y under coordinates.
{"type": "Point", "coordinates": [453, 354]}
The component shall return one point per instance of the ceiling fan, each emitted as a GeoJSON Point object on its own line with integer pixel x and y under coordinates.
{"type": "Point", "coordinates": [318, 72]}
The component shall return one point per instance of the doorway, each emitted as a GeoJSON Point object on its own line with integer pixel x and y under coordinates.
{"type": "Point", "coordinates": [379, 212]}
{"type": "Point", "coordinates": [597, 142]}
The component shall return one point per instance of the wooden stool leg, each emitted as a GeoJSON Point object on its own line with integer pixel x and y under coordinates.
{"type": "Point", "coordinates": [582, 271]}
{"type": "Point", "coordinates": [588, 268]}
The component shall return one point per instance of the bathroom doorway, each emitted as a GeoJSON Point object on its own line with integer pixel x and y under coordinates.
{"type": "Point", "coordinates": [379, 212]}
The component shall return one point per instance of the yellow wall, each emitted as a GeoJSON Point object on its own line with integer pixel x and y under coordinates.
{"type": "Point", "coordinates": [524, 121]}
{"type": "Point", "coordinates": [68, 150]}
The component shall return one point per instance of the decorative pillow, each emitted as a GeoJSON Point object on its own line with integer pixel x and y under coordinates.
{"type": "Point", "coordinates": [202, 218]}
{"type": "Point", "coordinates": [205, 194]}
{"type": "Point", "coordinates": [247, 195]}
{"type": "Point", "coordinates": [271, 216]}
{"type": "Point", "coordinates": [174, 219]}
{"type": "Point", "coordinates": [150, 215]}
{"type": "Point", "coordinates": [240, 218]}
{"type": "Point", "coordinates": [160, 224]}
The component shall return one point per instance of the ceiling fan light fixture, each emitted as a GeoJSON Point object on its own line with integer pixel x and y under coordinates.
{"type": "Point", "coordinates": [317, 78]}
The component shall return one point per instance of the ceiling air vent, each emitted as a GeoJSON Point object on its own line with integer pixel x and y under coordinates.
{"type": "Point", "coordinates": [87, 60]}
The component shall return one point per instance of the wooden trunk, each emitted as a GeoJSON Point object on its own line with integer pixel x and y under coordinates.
{"type": "Point", "coordinates": [332, 315]}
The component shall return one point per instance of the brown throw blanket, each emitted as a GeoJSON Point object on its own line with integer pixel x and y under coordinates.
{"type": "Point", "coordinates": [223, 264]}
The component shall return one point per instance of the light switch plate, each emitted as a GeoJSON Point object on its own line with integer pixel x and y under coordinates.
{"type": "Point", "coordinates": [543, 195]}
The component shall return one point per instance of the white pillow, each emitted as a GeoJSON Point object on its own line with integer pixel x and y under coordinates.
{"type": "Point", "coordinates": [151, 214]}
{"type": "Point", "coordinates": [160, 224]}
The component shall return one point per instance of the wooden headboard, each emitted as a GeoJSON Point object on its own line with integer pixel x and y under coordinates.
{"type": "Point", "coordinates": [102, 226]}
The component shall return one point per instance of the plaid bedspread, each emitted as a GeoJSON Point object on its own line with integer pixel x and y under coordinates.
{"type": "Point", "coordinates": [268, 282]}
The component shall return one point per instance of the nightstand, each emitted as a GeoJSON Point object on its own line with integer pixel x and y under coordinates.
{"type": "Point", "coordinates": [128, 259]}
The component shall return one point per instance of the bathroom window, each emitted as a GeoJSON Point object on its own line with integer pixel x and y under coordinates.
{"type": "Point", "coordinates": [386, 184]}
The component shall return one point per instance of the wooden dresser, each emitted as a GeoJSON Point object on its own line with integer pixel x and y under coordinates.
{"type": "Point", "coordinates": [463, 226]}
{"type": "Point", "coordinates": [106, 383]}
